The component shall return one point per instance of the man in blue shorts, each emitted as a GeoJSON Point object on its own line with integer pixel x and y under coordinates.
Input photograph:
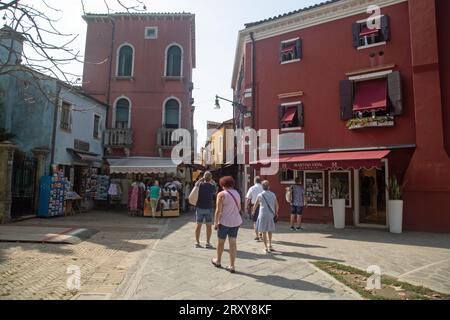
{"type": "Point", "coordinates": [297, 204]}
{"type": "Point", "coordinates": [204, 213]}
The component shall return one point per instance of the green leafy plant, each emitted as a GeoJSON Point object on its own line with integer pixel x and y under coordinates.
{"type": "Point", "coordinates": [339, 188]}
{"type": "Point", "coordinates": [395, 189]}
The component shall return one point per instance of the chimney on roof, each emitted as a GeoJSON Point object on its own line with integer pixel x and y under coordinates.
{"type": "Point", "coordinates": [11, 46]}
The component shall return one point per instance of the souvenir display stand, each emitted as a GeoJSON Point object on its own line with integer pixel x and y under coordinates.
{"type": "Point", "coordinates": [51, 195]}
{"type": "Point", "coordinates": [170, 200]}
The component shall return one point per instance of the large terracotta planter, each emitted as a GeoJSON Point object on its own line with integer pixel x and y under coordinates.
{"type": "Point", "coordinates": [339, 213]}
{"type": "Point", "coordinates": [395, 212]}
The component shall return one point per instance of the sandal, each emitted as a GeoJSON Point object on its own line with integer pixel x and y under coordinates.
{"type": "Point", "coordinates": [216, 264]}
{"type": "Point", "coordinates": [230, 269]}
{"type": "Point", "coordinates": [198, 245]}
{"type": "Point", "coordinates": [209, 246]}
{"type": "Point", "coordinates": [271, 249]}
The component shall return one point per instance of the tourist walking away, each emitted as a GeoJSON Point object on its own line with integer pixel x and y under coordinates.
{"type": "Point", "coordinates": [251, 197]}
{"type": "Point", "coordinates": [268, 215]}
{"type": "Point", "coordinates": [227, 222]}
{"type": "Point", "coordinates": [298, 202]}
{"type": "Point", "coordinates": [204, 213]}
{"type": "Point", "coordinates": [155, 196]}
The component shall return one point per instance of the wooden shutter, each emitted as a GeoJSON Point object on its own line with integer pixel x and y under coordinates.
{"type": "Point", "coordinates": [299, 49]}
{"type": "Point", "coordinates": [281, 52]}
{"type": "Point", "coordinates": [395, 93]}
{"type": "Point", "coordinates": [356, 29]}
{"type": "Point", "coordinates": [346, 93]}
{"type": "Point", "coordinates": [301, 115]}
{"type": "Point", "coordinates": [281, 110]}
{"type": "Point", "coordinates": [385, 28]}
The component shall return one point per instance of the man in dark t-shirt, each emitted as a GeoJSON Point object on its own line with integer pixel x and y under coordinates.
{"type": "Point", "coordinates": [205, 205]}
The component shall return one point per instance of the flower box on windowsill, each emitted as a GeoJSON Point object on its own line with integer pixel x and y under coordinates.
{"type": "Point", "coordinates": [359, 123]}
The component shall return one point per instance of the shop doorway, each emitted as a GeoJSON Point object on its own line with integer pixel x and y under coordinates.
{"type": "Point", "coordinates": [372, 197]}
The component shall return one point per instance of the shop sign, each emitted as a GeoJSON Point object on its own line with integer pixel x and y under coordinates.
{"type": "Point", "coordinates": [311, 165]}
{"type": "Point", "coordinates": [81, 145]}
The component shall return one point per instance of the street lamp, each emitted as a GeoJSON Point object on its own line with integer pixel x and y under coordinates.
{"type": "Point", "coordinates": [242, 108]}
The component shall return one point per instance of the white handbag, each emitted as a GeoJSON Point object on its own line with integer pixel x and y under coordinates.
{"type": "Point", "coordinates": [288, 195]}
{"type": "Point", "coordinates": [193, 197]}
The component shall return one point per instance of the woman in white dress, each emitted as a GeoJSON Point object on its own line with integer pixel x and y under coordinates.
{"type": "Point", "coordinates": [268, 214]}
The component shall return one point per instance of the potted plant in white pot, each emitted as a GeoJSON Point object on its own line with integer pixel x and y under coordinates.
{"type": "Point", "coordinates": [338, 204]}
{"type": "Point", "coordinates": [395, 206]}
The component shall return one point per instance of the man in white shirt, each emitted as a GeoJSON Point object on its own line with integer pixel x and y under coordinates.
{"type": "Point", "coordinates": [251, 198]}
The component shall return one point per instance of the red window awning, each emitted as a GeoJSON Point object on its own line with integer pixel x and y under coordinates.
{"type": "Point", "coordinates": [367, 32]}
{"type": "Point", "coordinates": [330, 161]}
{"type": "Point", "coordinates": [289, 115]}
{"type": "Point", "coordinates": [288, 49]}
{"type": "Point", "coordinates": [370, 96]}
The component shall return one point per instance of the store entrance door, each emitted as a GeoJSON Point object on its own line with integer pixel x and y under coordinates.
{"type": "Point", "coordinates": [372, 200]}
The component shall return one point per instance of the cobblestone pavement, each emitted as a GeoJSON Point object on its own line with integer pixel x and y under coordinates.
{"type": "Point", "coordinates": [139, 258]}
{"type": "Point", "coordinates": [39, 271]}
{"type": "Point", "coordinates": [174, 269]}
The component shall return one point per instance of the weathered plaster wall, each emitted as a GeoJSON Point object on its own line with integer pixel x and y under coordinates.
{"type": "Point", "coordinates": [83, 111]}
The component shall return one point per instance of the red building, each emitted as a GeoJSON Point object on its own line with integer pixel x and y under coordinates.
{"type": "Point", "coordinates": [356, 102]}
{"type": "Point", "coordinates": [141, 65]}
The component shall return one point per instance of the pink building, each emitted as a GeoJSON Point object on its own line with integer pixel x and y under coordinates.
{"type": "Point", "coordinates": [141, 66]}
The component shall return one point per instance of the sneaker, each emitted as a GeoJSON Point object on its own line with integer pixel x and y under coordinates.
{"type": "Point", "coordinates": [292, 229]}
{"type": "Point", "coordinates": [299, 228]}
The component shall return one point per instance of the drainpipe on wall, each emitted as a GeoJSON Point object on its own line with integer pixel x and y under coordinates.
{"type": "Point", "coordinates": [108, 97]}
{"type": "Point", "coordinates": [253, 79]}
{"type": "Point", "coordinates": [55, 124]}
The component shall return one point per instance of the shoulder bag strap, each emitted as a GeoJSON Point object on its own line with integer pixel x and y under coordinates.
{"type": "Point", "coordinates": [234, 198]}
{"type": "Point", "coordinates": [268, 205]}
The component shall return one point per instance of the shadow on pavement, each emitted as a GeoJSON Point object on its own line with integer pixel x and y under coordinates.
{"type": "Point", "coordinates": [282, 282]}
{"type": "Point", "coordinates": [280, 255]}
{"type": "Point", "coordinates": [300, 245]}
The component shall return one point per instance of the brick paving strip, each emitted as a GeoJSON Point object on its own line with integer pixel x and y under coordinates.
{"type": "Point", "coordinates": [39, 271]}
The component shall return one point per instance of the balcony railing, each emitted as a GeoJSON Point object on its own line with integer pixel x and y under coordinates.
{"type": "Point", "coordinates": [167, 138]}
{"type": "Point", "coordinates": [118, 138]}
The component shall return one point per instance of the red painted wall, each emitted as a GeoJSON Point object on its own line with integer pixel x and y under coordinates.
{"type": "Point", "coordinates": [327, 56]}
{"type": "Point", "coordinates": [443, 23]}
{"type": "Point", "coordinates": [427, 193]}
{"type": "Point", "coordinates": [148, 90]}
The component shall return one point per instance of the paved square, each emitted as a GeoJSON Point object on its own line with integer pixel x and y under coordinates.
{"type": "Point", "coordinates": [142, 258]}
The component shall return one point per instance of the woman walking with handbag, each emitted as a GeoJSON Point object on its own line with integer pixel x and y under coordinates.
{"type": "Point", "coordinates": [227, 221]}
{"type": "Point", "coordinates": [268, 215]}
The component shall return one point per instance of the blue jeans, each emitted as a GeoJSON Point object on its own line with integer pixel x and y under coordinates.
{"type": "Point", "coordinates": [204, 216]}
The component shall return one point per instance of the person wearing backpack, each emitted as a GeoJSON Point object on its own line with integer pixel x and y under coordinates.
{"type": "Point", "coordinates": [204, 205]}
{"type": "Point", "coordinates": [268, 214]}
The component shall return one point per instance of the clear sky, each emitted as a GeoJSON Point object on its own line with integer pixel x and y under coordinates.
{"type": "Point", "coordinates": [217, 26]}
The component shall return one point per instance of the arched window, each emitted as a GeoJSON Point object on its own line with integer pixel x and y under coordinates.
{"type": "Point", "coordinates": [125, 60]}
{"type": "Point", "coordinates": [122, 113]}
{"type": "Point", "coordinates": [172, 114]}
{"type": "Point", "coordinates": [174, 61]}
